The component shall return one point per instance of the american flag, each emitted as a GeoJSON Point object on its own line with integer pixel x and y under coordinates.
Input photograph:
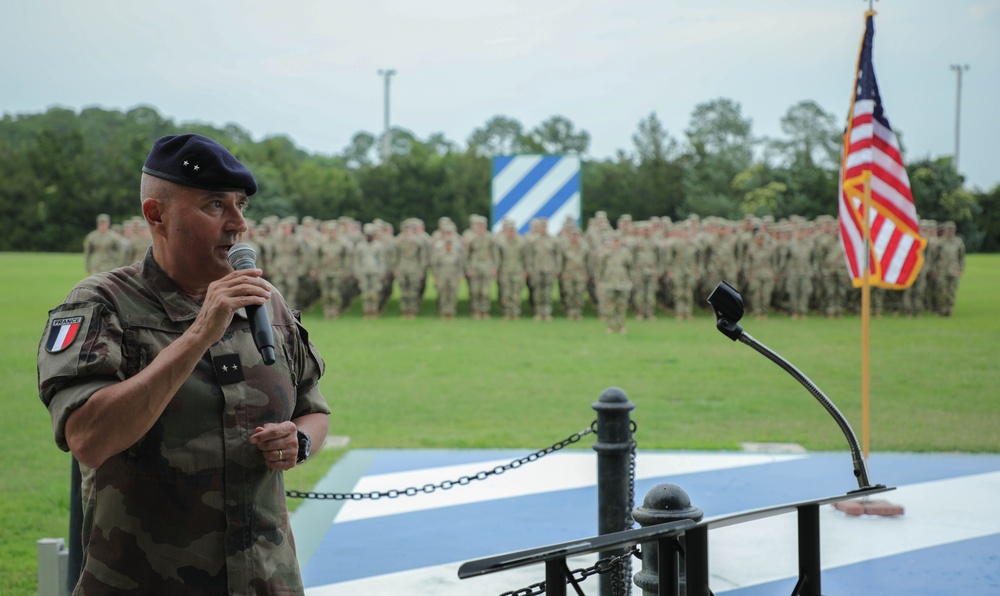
{"type": "Point", "coordinates": [871, 160]}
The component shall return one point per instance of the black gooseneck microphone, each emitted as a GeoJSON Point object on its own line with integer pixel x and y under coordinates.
{"type": "Point", "coordinates": [728, 306]}
{"type": "Point", "coordinates": [243, 256]}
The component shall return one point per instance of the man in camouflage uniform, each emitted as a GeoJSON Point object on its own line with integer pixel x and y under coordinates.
{"type": "Point", "coordinates": [482, 258]}
{"type": "Point", "coordinates": [614, 283]}
{"type": "Point", "coordinates": [543, 266]}
{"type": "Point", "coordinates": [799, 265]}
{"type": "Point", "coordinates": [950, 266]}
{"type": "Point", "coordinates": [102, 248]}
{"type": "Point", "coordinates": [912, 298]}
{"type": "Point", "coordinates": [448, 266]}
{"type": "Point", "coordinates": [411, 268]}
{"type": "Point", "coordinates": [153, 381]}
{"type": "Point", "coordinates": [510, 277]}
{"type": "Point", "coordinates": [386, 235]}
{"type": "Point", "coordinates": [371, 268]}
{"type": "Point", "coordinates": [139, 240]}
{"type": "Point", "coordinates": [647, 273]}
{"type": "Point", "coordinates": [684, 256]}
{"type": "Point", "coordinates": [335, 260]}
{"type": "Point", "coordinates": [289, 261]}
{"type": "Point", "coordinates": [761, 272]}
{"type": "Point", "coordinates": [574, 275]}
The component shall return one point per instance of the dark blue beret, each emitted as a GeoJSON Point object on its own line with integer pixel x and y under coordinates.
{"type": "Point", "coordinates": [199, 162]}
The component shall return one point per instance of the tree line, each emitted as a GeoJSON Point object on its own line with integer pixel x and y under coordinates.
{"type": "Point", "coordinates": [60, 168]}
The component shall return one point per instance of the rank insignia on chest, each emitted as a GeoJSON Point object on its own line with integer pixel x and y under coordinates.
{"type": "Point", "coordinates": [62, 333]}
{"type": "Point", "coordinates": [228, 369]}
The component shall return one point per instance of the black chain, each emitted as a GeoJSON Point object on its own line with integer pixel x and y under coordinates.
{"type": "Point", "coordinates": [576, 576]}
{"type": "Point", "coordinates": [447, 484]}
{"type": "Point", "coordinates": [621, 584]}
{"type": "Point", "coordinates": [619, 566]}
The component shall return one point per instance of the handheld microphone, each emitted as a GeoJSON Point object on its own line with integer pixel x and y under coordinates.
{"type": "Point", "coordinates": [243, 256]}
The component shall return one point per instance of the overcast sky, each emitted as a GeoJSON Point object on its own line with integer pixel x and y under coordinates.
{"type": "Point", "coordinates": [308, 68]}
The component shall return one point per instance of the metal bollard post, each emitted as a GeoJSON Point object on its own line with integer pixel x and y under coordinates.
{"type": "Point", "coordinates": [613, 446]}
{"type": "Point", "coordinates": [663, 504]}
{"type": "Point", "coordinates": [53, 562]}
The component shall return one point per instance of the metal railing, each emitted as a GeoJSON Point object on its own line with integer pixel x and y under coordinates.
{"type": "Point", "coordinates": [668, 537]}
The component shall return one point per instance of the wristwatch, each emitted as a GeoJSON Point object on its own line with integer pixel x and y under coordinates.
{"type": "Point", "coordinates": [304, 447]}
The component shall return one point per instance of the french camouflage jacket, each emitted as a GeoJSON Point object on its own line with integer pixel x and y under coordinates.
{"type": "Point", "coordinates": [191, 508]}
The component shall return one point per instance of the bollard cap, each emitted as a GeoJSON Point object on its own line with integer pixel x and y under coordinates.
{"type": "Point", "coordinates": [666, 503]}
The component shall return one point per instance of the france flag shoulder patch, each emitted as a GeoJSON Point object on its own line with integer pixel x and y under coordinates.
{"type": "Point", "coordinates": [62, 332]}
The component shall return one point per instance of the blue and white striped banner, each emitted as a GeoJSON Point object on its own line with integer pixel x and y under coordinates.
{"type": "Point", "coordinates": [530, 186]}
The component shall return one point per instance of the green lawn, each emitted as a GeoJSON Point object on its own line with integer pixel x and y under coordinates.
{"type": "Point", "coordinates": [524, 384]}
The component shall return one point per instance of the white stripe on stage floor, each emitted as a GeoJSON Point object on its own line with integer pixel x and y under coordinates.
{"type": "Point", "coordinates": [557, 472]}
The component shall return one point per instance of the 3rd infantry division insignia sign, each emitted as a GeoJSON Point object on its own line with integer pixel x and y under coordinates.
{"type": "Point", "coordinates": [62, 333]}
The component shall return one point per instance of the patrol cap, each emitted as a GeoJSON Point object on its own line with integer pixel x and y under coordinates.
{"type": "Point", "coordinates": [103, 218]}
{"type": "Point", "coordinates": [198, 162]}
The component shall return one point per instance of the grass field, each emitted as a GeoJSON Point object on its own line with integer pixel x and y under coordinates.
{"type": "Point", "coordinates": [427, 383]}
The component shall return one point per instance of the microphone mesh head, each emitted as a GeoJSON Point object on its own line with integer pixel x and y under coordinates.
{"type": "Point", "coordinates": [241, 255]}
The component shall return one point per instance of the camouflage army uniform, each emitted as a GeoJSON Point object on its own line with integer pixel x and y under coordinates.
{"type": "Point", "coordinates": [191, 508]}
{"type": "Point", "coordinates": [371, 267]}
{"type": "Point", "coordinates": [482, 258]}
{"type": "Point", "coordinates": [647, 274]}
{"type": "Point", "coordinates": [386, 236]}
{"type": "Point", "coordinates": [574, 275]}
{"type": "Point", "coordinates": [447, 263]}
{"type": "Point", "coordinates": [684, 256]}
{"type": "Point", "coordinates": [289, 261]}
{"type": "Point", "coordinates": [510, 277]}
{"type": "Point", "coordinates": [614, 283]}
{"type": "Point", "coordinates": [912, 298]}
{"type": "Point", "coordinates": [335, 262]}
{"type": "Point", "coordinates": [102, 248]}
{"type": "Point", "coordinates": [543, 266]}
{"type": "Point", "coordinates": [761, 272]}
{"type": "Point", "coordinates": [410, 265]}
{"type": "Point", "coordinates": [951, 264]}
{"type": "Point", "coordinates": [799, 265]}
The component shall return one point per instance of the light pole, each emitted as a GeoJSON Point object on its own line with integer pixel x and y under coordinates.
{"type": "Point", "coordinates": [387, 136]}
{"type": "Point", "coordinates": [959, 69]}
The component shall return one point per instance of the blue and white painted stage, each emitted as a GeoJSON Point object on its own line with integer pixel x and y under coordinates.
{"type": "Point", "coordinates": [948, 541]}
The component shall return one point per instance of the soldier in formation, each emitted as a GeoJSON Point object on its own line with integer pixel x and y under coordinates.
{"type": "Point", "coordinates": [335, 266]}
{"type": "Point", "coordinates": [102, 248]}
{"type": "Point", "coordinates": [614, 282]}
{"type": "Point", "coordinates": [543, 264]}
{"type": "Point", "coordinates": [510, 278]}
{"type": "Point", "coordinates": [481, 263]}
{"type": "Point", "coordinates": [410, 266]}
{"type": "Point", "coordinates": [448, 267]}
{"type": "Point", "coordinates": [793, 266]}
{"type": "Point", "coordinates": [371, 268]}
{"type": "Point", "coordinates": [573, 276]}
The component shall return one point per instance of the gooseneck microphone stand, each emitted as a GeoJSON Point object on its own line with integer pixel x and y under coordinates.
{"type": "Point", "coordinates": [728, 305]}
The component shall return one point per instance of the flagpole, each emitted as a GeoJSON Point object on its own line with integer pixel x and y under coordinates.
{"type": "Point", "coordinates": [861, 224]}
{"type": "Point", "coordinates": [865, 313]}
